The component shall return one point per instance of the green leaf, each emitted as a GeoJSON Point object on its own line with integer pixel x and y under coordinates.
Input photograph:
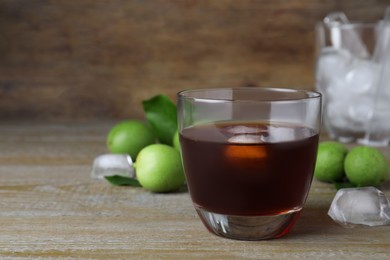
{"type": "Point", "coordinates": [118, 180]}
{"type": "Point", "coordinates": [161, 113]}
{"type": "Point", "coordinates": [345, 184]}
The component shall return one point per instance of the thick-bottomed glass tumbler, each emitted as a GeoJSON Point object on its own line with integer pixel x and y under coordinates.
{"type": "Point", "coordinates": [249, 156]}
{"type": "Point", "coordinates": [351, 75]}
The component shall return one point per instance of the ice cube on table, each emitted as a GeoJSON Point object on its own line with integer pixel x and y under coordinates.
{"type": "Point", "coordinates": [112, 164]}
{"type": "Point", "coordinates": [360, 206]}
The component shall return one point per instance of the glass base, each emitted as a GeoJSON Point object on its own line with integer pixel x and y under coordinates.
{"type": "Point", "coordinates": [248, 227]}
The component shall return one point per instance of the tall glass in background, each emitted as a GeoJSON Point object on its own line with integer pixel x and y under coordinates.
{"type": "Point", "coordinates": [249, 156]}
{"type": "Point", "coordinates": [348, 74]}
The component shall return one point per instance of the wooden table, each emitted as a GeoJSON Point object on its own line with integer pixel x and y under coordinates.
{"type": "Point", "coordinates": [50, 207]}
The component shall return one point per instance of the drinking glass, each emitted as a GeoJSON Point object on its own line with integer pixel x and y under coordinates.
{"type": "Point", "coordinates": [348, 71]}
{"type": "Point", "coordinates": [249, 156]}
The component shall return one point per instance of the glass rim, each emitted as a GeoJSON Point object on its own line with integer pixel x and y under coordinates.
{"type": "Point", "coordinates": [307, 94]}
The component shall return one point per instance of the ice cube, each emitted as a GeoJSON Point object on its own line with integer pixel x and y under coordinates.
{"type": "Point", "coordinates": [360, 206]}
{"type": "Point", "coordinates": [332, 64]}
{"type": "Point", "coordinates": [242, 129]}
{"type": "Point", "coordinates": [361, 110]}
{"type": "Point", "coordinates": [361, 77]}
{"type": "Point", "coordinates": [343, 35]}
{"type": "Point", "coordinates": [112, 164]}
{"type": "Point", "coordinates": [352, 41]}
{"type": "Point", "coordinates": [337, 91]}
{"type": "Point", "coordinates": [281, 134]}
{"type": "Point", "coordinates": [336, 113]}
{"type": "Point", "coordinates": [246, 139]}
{"type": "Point", "coordinates": [240, 154]}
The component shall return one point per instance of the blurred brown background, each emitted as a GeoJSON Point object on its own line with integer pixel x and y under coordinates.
{"type": "Point", "coordinates": [96, 59]}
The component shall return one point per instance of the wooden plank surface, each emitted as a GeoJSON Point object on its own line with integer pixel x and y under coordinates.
{"type": "Point", "coordinates": [51, 208]}
{"type": "Point", "coordinates": [99, 58]}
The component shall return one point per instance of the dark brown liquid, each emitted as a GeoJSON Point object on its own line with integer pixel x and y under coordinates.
{"type": "Point", "coordinates": [249, 168]}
